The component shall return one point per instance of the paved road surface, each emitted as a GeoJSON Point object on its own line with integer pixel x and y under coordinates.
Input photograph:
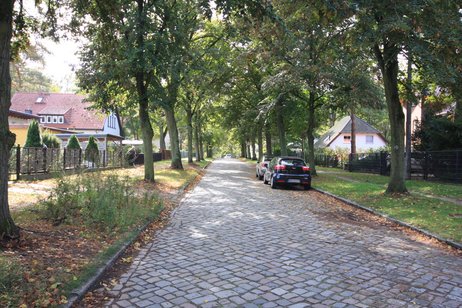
{"type": "Point", "coordinates": [236, 242]}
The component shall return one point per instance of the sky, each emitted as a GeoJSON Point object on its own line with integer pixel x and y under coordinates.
{"type": "Point", "coordinates": [62, 59]}
{"type": "Point", "coordinates": [60, 64]}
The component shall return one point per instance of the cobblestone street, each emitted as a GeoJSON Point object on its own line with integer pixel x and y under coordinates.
{"type": "Point", "coordinates": [234, 241]}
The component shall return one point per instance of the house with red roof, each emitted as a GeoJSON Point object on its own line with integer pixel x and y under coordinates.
{"type": "Point", "coordinates": [67, 114]}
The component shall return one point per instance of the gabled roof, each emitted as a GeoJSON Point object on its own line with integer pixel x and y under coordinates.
{"type": "Point", "coordinates": [343, 126]}
{"type": "Point", "coordinates": [22, 115]}
{"type": "Point", "coordinates": [74, 107]}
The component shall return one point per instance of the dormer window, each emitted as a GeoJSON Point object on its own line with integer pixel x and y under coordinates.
{"type": "Point", "coordinates": [39, 100]}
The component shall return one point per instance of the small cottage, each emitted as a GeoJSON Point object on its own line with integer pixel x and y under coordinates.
{"type": "Point", "coordinates": [339, 136]}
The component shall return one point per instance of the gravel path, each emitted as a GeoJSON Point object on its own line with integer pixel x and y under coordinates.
{"type": "Point", "coordinates": [236, 242]}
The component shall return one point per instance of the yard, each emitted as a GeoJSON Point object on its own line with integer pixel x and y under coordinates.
{"type": "Point", "coordinates": [433, 206]}
{"type": "Point", "coordinates": [72, 225]}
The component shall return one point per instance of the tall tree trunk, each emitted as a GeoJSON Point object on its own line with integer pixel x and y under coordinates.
{"type": "Point", "coordinates": [252, 144]}
{"type": "Point", "coordinates": [142, 91]}
{"type": "Point", "coordinates": [388, 63]}
{"type": "Point", "coordinates": [269, 145]}
{"type": "Point", "coordinates": [201, 141]}
{"type": "Point", "coordinates": [163, 133]}
{"type": "Point", "coordinates": [353, 132]}
{"type": "Point", "coordinates": [248, 154]}
{"type": "Point", "coordinates": [332, 118]}
{"type": "Point", "coordinates": [196, 140]}
{"type": "Point", "coordinates": [174, 139]}
{"type": "Point", "coordinates": [243, 154]}
{"type": "Point", "coordinates": [407, 164]}
{"type": "Point", "coordinates": [189, 116]}
{"type": "Point", "coordinates": [310, 132]}
{"type": "Point", "coordinates": [146, 128]}
{"type": "Point", "coordinates": [280, 125]}
{"type": "Point", "coordinates": [8, 229]}
{"type": "Point", "coordinates": [260, 141]}
{"type": "Point", "coordinates": [458, 111]}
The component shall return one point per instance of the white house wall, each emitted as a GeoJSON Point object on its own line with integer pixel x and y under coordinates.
{"type": "Point", "coordinates": [360, 142]}
{"type": "Point", "coordinates": [111, 125]}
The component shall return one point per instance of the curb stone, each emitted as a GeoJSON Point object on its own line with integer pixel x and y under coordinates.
{"type": "Point", "coordinates": [398, 222]}
{"type": "Point", "coordinates": [77, 294]}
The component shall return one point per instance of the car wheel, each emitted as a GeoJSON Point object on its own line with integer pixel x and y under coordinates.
{"type": "Point", "coordinates": [273, 184]}
{"type": "Point", "coordinates": [264, 179]}
{"type": "Point", "coordinates": [307, 187]}
{"type": "Point", "coordinates": [257, 175]}
{"type": "Point", "coordinates": [260, 177]}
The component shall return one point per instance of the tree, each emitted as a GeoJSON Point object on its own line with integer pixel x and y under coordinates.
{"type": "Point", "coordinates": [8, 229]}
{"type": "Point", "coordinates": [116, 61]}
{"type": "Point", "coordinates": [50, 140]}
{"type": "Point", "coordinates": [33, 140]}
{"type": "Point", "coordinates": [92, 150]}
{"type": "Point", "coordinates": [14, 20]}
{"type": "Point", "coordinates": [73, 143]}
{"type": "Point", "coordinates": [388, 28]}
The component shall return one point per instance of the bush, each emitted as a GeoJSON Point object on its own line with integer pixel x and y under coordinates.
{"type": "Point", "coordinates": [73, 143]}
{"type": "Point", "coordinates": [51, 141]}
{"type": "Point", "coordinates": [62, 204]}
{"type": "Point", "coordinates": [107, 203]}
{"type": "Point", "coordinates": [438, 133]}
{"type": "Point", "coordinates": [92, 151]}
{"type": "Point", "coordinates": [33, 136]}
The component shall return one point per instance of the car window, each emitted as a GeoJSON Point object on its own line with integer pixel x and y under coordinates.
{"type": "Point", "coordinates": [292, 162]}
{"type": "Point", "coordinates": [273, 162]}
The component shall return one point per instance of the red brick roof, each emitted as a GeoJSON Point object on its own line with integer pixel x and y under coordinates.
{"type": "Point", "coordinates": [74, 107]}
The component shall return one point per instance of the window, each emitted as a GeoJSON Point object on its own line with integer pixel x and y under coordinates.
{"type": "Point", "coordinates": [48, 119]}
{"type": "Point", "coordinates": [55, 119]}
{"type": "Point", "coordinates": [111, 121]}
{"type": "Point", "coordinates": [42, 119]}
{"type": "Point", "coordinates": [61, 119]}
{"type": "Point", "coordinates": [370, 139]}
{"type": "Point", "coordinates": [346, 139]}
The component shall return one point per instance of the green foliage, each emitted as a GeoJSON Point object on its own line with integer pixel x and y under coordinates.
{"type": "Point", "coordinates": [73, 143]}
{"type": "Point", "coordinates": [107, 203]}
{"type": "Point", "coordinates": [11, 277]}
{"type": "Point", "coordinates": [34, 140]}
{"type": "Point", "coordinates": [62, 204]}
{"type": "Point", "coordinates": [438, 133]}
{"type": "Point", "coordinates": [92, 151]}
{"type": "Point", "coordinates": [50, 140]}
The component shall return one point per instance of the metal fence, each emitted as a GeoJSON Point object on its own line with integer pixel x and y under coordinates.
{"type": "Point", "coordinates": [429, 165]}
{"type": "Point", "coordinates": [331, 161]}
{"type": "Point", "coordinates": [34, 161]}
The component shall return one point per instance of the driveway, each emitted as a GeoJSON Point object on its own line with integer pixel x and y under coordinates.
{"type": "Point", "coordinates": [234, 241]}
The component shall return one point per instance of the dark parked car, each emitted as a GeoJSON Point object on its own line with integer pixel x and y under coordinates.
{"type": "Point", "coordinates": [262, 165]}
{"type": "Point", "coordinates": [287, 170]}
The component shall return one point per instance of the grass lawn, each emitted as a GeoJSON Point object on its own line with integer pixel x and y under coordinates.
{"type": "Point", "coordinates": [72, 225]}
{"type": "Point", "coordinates": [437, 216]}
